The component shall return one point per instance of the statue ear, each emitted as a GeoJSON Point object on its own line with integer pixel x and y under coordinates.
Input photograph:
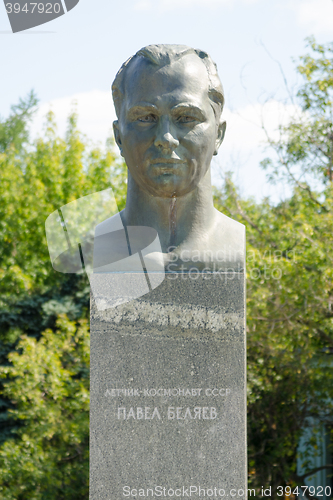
{"type": "Point", "coordinates": [116, 132]}
{"type": "Point", "coordinates": [220, 136]}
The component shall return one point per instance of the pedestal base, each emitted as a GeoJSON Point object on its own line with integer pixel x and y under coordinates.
{"type": "Point", "coordinates": [168, 391]}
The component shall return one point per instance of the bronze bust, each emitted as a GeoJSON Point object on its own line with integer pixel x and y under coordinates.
{"type": "Point", "coordinates": [169, 102]}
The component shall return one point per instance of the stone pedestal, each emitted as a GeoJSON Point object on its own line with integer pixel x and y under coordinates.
{"type": "Point", "coordinates": [168, 390]}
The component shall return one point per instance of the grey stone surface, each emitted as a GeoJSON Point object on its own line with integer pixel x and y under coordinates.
{"type": "Point", "coordinates": [187, 334]}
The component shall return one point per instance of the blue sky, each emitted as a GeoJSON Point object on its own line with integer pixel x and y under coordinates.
{"type": "Point", "coordinates": [77, 55]}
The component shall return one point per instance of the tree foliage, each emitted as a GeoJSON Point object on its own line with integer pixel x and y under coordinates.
{"type": "Point", "coordinates": [37, 180]}
{"type": "Point", "coordinates": [48, 382]}
{"type": "Point", "coordinates": [44, 403]}
{"type": "Point", "coordinates": [290, 286]}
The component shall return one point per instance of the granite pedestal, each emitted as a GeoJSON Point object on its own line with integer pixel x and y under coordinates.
{"type": "Point", "coordinates": [168, 389]}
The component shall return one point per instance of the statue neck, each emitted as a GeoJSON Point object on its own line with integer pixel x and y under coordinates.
{"type": "Point", "coordinates": [177, 219]}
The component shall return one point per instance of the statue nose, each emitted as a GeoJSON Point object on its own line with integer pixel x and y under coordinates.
{"type": "Point", "coordinates": [164, 138]}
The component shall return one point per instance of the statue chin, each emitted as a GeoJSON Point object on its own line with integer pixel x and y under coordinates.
{"type": "Point", "coordinates": [166, 185]}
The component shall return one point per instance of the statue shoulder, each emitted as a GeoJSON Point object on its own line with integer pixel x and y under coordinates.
{"type": "Point", "coordinates": [231, 235]}
{"type": "Point", "coordinates": [107, 244]}
{"type": "Point", "coordinates": [109, 225]}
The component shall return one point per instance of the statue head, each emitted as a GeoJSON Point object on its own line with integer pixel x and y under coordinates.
{"type": "Point", "coordinates": [169, 101]}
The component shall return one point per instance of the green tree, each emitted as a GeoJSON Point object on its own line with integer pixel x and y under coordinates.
{"type": "Point", "coordinates": [44, 427]}
{"type": "Point", "coordinates": [13, 131]}
{"type": "Point", "coordinates": [36, 180]}
{"type": "Point", "coordinates": [48, 382]}
{"type": "Point", "coordinates": [290, 286]}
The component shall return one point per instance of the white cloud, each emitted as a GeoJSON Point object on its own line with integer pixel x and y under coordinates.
{"type": "Point", "coordinates": [245, 144]}
{"type": "Point", "coordinates": [95, 114]}
{"type": "Point", "coordinates": [246, 126]}
{"type": "Point", "coordinates": [316, 15]}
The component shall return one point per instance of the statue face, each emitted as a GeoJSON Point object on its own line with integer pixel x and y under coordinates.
{"type": "Point", "coordinates": [167, 129]}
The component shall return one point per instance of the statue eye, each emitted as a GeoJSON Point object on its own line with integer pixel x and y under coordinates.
{"type": "Point", "coordinates": [186, 119]}
{"type": "Point", "coordinates": [147, 118]}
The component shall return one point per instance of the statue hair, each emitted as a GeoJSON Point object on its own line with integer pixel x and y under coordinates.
{"type": "Point", "coordinates": [162, 55]}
